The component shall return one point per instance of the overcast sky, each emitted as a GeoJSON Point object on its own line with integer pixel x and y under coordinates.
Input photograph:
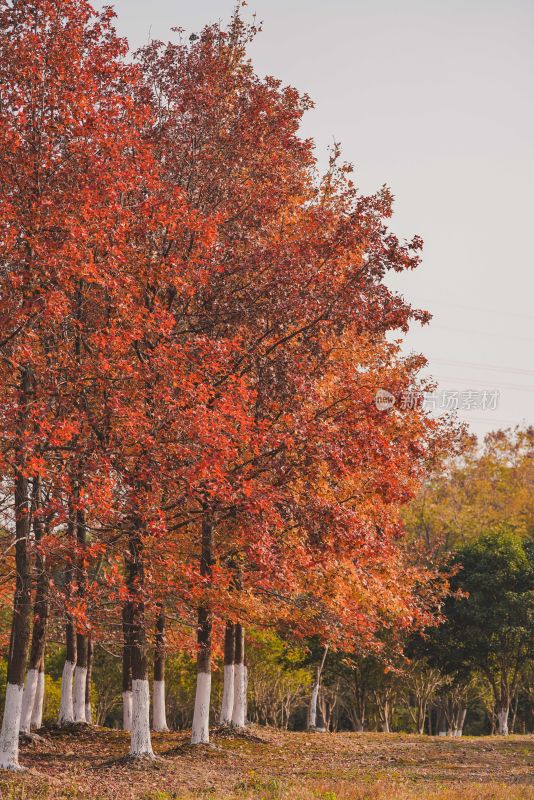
{"type": "Point", "coordinates": [434, 98]}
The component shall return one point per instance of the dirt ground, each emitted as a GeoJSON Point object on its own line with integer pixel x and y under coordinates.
{"type": "Point", "coordinates": [89, 764]}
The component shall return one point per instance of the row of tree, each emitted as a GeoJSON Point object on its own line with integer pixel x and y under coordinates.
{"type": "Point", "coordinates": [473, 673]}
{"type": "Point", "coordinates": [195, 326]}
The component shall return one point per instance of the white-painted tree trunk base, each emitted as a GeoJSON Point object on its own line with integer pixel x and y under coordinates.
{"type": "Point", "coordinates": [461, 722]}
{"type": "Point", "coordinates": [238, 713]}
{"type": "Point", "coordinates": [502, 719]}
{"type": "Point", "coordinates": [245, 694]}
{"type": "Point", "coordinates": [159, 717]}
{"type": "Point", "coordinates": [227, 705]}
{"type": "Point", "coordinates": [66, 710]}
{"type": "Point", "coordinates": [88, 714]}
{"type": "Point", "coordinates": [38, 703]}
{"type": "Point", "coordinates": [141, 744]}
{"type": "Point", "coordinates": [28, 700]}
{"type": "Point", "coordinates": [312, 711]}
{"type": "Point", "coordinates": [78, 701]}
{"type": "Point", "coordinates": [200, 733]}
{"type": "Point", "coordinates": [127, 711]}
{"type": "Point", "coordinates": [9, 736]}
{"type": "Point", "coordinates": [442, 733]}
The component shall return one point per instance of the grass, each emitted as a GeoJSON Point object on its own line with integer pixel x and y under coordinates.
{"type": "Point", "coordinates": [89, 764]}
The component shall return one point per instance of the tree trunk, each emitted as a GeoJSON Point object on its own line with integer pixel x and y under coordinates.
{"type": "Point", "coordinates": [442, 722]}
{"type": "Point", "coordinates": [37, 712]}
{"type": "Point", "coordinates": [201, 716]}
{"type": "Point", "coordinates": [502, 719]}
{"type": "Point", "coordinates": [159, 718]}
{"type": "Point", "coordinates": [245, 693]}
{"type": "Point", "coordinates": [141, 744]}
{"type": "Point", "coordinates": [384, 713]}
{"type": "Point", "coordinates": [126, 667]}
{"type": "Point", "coordinates": [462, 713]}
{"type": "Point", "coordinates": [421, 716]}
{"type": "Point", "coordinates": [238, 713]}
{"type": "Point", "coordinates": [358, 725]}
{"type": "Point", "coordinates": [40, 616]}
{"type": "Point", "coordinates": [80, 670]}
{"type": "Point", "coordinates": [18, 650]}
{"type": "Point", "coordinates": [515, 706]}
{"type": "Point", "coordinates": [384, 700]}
{"type": "Point", "coordinates": [492, 721]}
{"type": "Point", "coordinates": [88, 711]}
{"type": "Point", "coordinates": [80, 678]}
{"type": "Point", "coordinates": [20, 627]}
{"type": "Point", "coordinates": [66, 708]}
{"type": "Point", "coordinates": [312, 710]}
{"type": "Point", "coordinates": [227, 705]}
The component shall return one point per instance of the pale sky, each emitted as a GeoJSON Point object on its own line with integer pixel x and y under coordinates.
{"type": "Point", "coordinates": [434, 98]}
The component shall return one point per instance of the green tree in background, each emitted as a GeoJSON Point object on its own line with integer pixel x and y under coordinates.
{"type": "Point", "coordinates": [489, 627]}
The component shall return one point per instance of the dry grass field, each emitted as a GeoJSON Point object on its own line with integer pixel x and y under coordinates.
{"type": "Point", "coordinates": [89, 764]}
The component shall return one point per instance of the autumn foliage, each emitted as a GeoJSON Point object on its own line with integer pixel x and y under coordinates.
{"type": "Point", "coordinates": [195, 326]}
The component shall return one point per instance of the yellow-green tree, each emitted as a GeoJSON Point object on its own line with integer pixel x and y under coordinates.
{"type": "Point", "coordinates": [485, 486]}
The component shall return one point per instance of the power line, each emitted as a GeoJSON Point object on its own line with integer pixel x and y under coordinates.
{"type": "Point", "coordinates": [481, 333]}
{"type": "Point", "coordinates": [475, 365]}
{"type": "Point", "coordinates": [498, 384]}
{"type": "Point", "coordinates": [497, 312]}
{"type": "Point", "coordinates": [491, 421]}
